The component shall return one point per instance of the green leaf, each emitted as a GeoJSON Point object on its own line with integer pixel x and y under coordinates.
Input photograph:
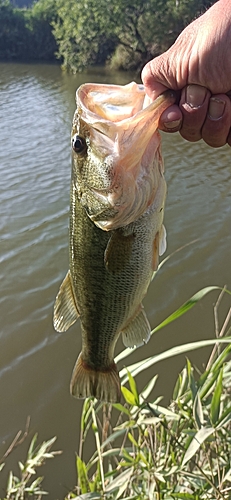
{"type": "Point", "coordinates": [88, 496]}
{"type": "Point", "coordinates": [191, 378]}
{"type": "Point", "coordinates": [224, 418]}
{"type": "Point", "coordinates": [208, 385]}
{"type": "Point", "coordinates": [149, 420]}
{"type": "Point", "coordinates": [133, 387]}
{"type": "Point", "coordinates": [32, 446]}
{"type": "Point", "coordinates": [198, 411]}
{"type": "Point", "coordinates": [132, 439]}
{"type": "Point", "coordinates": [121, 408]}
{"type": "Point", "coordinates": [148, 388]}
{"type": "Point", "coordinates": [179, 312]}
{"type": "Point", "coordinates": [86, 412]}
{"type": "Point", "coordinates": [158, 410]}
{"type": "Point", "coordinates": [216, 400]}
{"type": "Point", "coordinates": [174, 351]}
{"type": "Point", "coordinates": [128, 396]}
{"type": "Point", "coordinates": [83, 481]}
{"type": "Point", "coordinates": [186, 306]}
{"type": "Point", "coordinates": [113, 436]}
{"type": "Point", "coordinates": [119, 480]}
{"type": "Point", "coordinates": [181, 384]}
{"type": "Point", "coordinates": [196, 442]}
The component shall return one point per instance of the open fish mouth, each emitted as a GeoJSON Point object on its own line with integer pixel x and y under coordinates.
{"type": "Point", "coordinates": [119, 179]}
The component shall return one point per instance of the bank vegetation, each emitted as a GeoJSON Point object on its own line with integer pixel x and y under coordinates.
{"type": "Point", "coordinates": [141, 448]}
{"type": "Point", "coordinates": [124, 34]}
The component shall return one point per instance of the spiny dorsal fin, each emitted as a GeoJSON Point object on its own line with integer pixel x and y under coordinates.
{"type": "Point", "coordinates": [65, 309]}
{"type": "Point", "coordinates": [138, 330]}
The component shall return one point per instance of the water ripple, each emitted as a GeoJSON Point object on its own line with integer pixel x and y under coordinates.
{"type": "Point", "coordinates": [36, 106]}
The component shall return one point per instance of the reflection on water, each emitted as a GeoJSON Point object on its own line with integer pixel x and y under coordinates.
{"type": "Point", "coordinates": [36, 108]}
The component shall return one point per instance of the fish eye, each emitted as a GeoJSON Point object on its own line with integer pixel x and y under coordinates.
{"type": "Point", "coordinates": [79, 144]}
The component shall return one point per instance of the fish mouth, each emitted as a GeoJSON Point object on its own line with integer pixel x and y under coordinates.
{"type": "Point", "coordinates": [122, 119]}
{"type": "Point", "coordinates": [110, 108]}
{"type": "Point", "coordinates": [122, 126]}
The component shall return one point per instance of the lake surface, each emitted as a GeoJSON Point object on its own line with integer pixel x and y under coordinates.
{"type": "Point", "coordinates": [36, 108]}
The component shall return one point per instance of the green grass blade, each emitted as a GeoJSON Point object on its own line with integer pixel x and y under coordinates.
{"type": "Point", "coordinates": [82, 476]}
{"type": "Point", "coordinates": [179, 312]}
{"type": "Point", "coordinates": [216, 400]}
{"type": "Point", "coordinates": [186, 306]}
{"type": "Point", "coordinates": [196, 442]}
{"type": "Point", "coordinates": [174, 351]}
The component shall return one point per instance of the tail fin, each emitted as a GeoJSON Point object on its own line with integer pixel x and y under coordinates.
{"type": "Point", "coordinates": [87, 382]}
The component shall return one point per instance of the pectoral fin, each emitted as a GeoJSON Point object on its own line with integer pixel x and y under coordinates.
{"type": "Point", "coordinates": [159, 247]}
{"type": "Point", "coordinates": [162, 240]}
{"type": "Point", "coordinates": [155, 252]}
{"type": "Point", "coordinates": [118, 251]}
{"type": "Point", "coordinates": [65, 308]}
{"type": "Point", "coordinates": [137, 332]}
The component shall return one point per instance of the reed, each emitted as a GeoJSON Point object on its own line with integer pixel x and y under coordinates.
{"type": "Point", "coordinates": [181, 451]}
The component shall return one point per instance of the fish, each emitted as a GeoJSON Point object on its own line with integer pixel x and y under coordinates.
{"type": "Point", "coordinates": [116, 231]}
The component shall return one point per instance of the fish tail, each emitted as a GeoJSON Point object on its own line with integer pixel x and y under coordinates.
{"type": "Point", "coordinates": [102, 384]}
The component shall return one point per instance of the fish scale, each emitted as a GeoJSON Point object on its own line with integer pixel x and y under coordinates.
{"type": "Point", "coordinates": [111, 265]}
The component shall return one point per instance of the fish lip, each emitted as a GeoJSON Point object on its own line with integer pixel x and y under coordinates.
{"type": "Point", "coordinates": [129, 143]}
{"type": "Point", "coordinates": [83, 93]}
{"type": "Point", "coordinates": [112, 136]}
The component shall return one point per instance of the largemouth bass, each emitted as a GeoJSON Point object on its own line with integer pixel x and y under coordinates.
{"type": "Point", "coordinates": [116, 228]}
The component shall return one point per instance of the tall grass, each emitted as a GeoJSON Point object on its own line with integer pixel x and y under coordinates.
{"type": "Point", "coordinates": [182, 451]}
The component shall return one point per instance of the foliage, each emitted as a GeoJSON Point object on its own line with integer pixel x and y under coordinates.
{"type": "Point", "coordinates": [12, 31]}
{"type": "Point", "coordinates": [27, 485]}
{"type": "Point", "coordinates": [87, 32]}
{"type": "Point", "coordinates": [38, 22]}
{"type": "Point", "coordinates": [22, 3]}
{"type": "Point", "coordinates": [182, 451]}
{"type": "Point", "coordinates": [145, 450]}
{"type": "Point", "coordinates": [26, 34]}
{"type": "Point", "coordinates": [83, 34]}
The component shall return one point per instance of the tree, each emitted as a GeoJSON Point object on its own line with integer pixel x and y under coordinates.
{"type": "Point", "coordinates": [26, 34]}
{"type": "Point", "coordinates": [13, 33]}
{"type": "Point", "coordinates": [88, 31]}
{"type": "Point", "coordinates": [83, 33]}
{"type": "Point", "coordinates": [38, 21]}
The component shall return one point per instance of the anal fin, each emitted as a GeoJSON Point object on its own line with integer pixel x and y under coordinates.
{"type": "Point", "coordinates": [138, 330]}
{"type": "Point", "coordinates": [101, 384]}
{"type": "Point", "coordinates": [65, 308]}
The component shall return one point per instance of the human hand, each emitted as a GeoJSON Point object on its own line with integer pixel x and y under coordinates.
{"type": "Point", "coordinates": [198, 66]}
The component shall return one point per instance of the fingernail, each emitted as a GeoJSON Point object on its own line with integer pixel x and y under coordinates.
{"type": "Point", "coordinates": [216, 108]}
{"type": "Point", "coordinates": [195, 95]}
{"type": "Point", "coordinates": [173, 124]}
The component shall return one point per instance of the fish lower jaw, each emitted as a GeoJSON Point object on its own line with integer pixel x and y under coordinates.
{"type": "Point", "coordinates": [101, 383]}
